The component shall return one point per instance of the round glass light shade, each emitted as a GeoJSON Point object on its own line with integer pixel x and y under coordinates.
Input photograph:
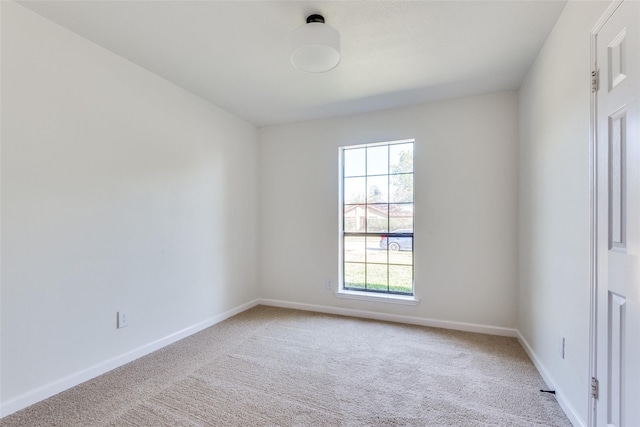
{"type": "Point", "coordinates": [315, 47]}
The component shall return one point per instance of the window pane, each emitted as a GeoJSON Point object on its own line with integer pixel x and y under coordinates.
{"type": "Point", "coordinates": [377, 189]}
{"type": "Point", "coordinates": [354, 248]}
{"type": "Point", "coordinates": [376, 250]}
{"type": "Point", "coordinates": [378, 201]}
{"type": "Point", "coordinates": [377, 277]}
{"type": "Point", "coordinates": [401, 250]}
{"type": "Point", "coordinates": [401, 278]}
{"type": "Point", "coordinates": [378, 160]}
{"type": "Point", "coordinates": [354, 275]}
{"type": "Point", "coordinates": [401, 217]}
{"type": "Point", "coordinates": [377, 218]}
{"type": "Point", "coordinates": [401, 158]}
{"type": "Point", "coordinates": [355, 190]}
{"type": "Point", "coordinates": [353, 219]}
{"type": "Point", "coordinates": [354, 162]}
{"type": "Point", "coordinates": [401, 188]}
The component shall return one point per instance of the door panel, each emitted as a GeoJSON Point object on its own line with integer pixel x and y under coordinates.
{"type": "Point", "coordinates": [618, 213]}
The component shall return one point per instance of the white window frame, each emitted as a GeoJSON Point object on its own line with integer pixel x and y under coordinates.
{"type": "Point", "coordinates": [368, 295]}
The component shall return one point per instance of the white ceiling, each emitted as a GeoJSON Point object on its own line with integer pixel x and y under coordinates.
{"type": "Point", "coordinates": [394, 53]}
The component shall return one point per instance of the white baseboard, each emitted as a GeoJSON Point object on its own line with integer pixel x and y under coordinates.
{"type": "Point", "coordinates": [568, 409]}
{"type": "Point", "coordinates": [62, 384]}
{"type": "Point", "coordinates": [51, 389]}
{"type": "Point", "coordinates": [445, 324]}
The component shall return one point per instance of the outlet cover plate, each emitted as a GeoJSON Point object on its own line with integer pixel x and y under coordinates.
{"type": "Point", "coordinates": [123, 318]}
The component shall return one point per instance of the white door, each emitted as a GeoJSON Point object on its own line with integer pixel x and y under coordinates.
{"type": "Point", "coordinates": [618, 218]}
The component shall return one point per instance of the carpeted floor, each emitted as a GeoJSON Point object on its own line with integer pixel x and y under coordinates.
{"type": "Point", "coordinates": [275, 367]}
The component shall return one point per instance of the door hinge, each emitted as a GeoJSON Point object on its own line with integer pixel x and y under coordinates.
{"type": "Point", "coordinates": [595, 81]}
{"type": "Point", "coordinates": [594, 387]}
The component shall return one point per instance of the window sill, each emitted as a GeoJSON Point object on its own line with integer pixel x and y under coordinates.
{"type": "Point", "coordinates": [386, 298]}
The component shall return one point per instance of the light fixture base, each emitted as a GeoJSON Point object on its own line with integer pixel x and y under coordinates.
{"type": "Point", "coordinates": [315, 18]}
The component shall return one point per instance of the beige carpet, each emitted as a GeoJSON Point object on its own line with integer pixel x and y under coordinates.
{"type": "Point", "coordinates": [276, 367]}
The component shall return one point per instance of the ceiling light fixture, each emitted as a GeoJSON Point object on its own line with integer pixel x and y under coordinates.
{"type": "Point", "coordinates": [315, 46]}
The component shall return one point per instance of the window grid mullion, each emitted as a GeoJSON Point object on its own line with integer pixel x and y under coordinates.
{"type": "Point", "coordinates": [366, 215]}
{"type": "Point", "coordinates": [388, 209]}
{"type": "Point", "coordinates": [366, 234]}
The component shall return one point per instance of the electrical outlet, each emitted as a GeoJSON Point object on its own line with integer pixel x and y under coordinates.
{"type": "Point", "coordinates": [561, 345]}
{"type": "Point", "coordinates": [123, 318]}
{"type": "Point", "coordinates": [328, 284]}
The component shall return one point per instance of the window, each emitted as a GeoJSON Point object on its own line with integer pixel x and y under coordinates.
{"type": "Point", "coordinates": [377, 217]}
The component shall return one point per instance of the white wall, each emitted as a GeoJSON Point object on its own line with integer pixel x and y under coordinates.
{"type": "Point", "coordinates": [554, 204]}
{"type": "Point", "coordinates": [465, 206]}
{"type": "Point", "coordinates": [119, 190]}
